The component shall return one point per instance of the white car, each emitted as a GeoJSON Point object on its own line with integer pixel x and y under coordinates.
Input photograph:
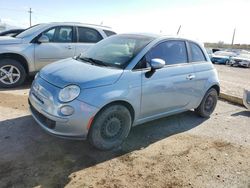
{"type": "Point", "coordinates": [241, 60]}
{"type": "Point", "coordinates": [29, 51]}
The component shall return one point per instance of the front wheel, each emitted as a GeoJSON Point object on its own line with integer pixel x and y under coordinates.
{"type": "Point", "coordinates": [110, 127]}
{"type": "Point", "coordinates": [12, 73]}
{"type": "Point", "coordinates": [208, 103]}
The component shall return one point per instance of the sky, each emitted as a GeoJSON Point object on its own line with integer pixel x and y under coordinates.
{"type": "Point", "coordinates": [203, 20]}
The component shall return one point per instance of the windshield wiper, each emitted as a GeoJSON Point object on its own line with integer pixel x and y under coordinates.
{"type": "Point", "coordinates": [93, 61]}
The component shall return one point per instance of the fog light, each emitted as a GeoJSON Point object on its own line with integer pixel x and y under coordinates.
{"type": "Point", "coordinates": [67, 110]}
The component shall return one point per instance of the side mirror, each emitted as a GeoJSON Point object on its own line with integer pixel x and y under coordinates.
{"type": "Point", "coordinates": [43, 39]}
{"type": "Point", "coordinates": [157, 63]}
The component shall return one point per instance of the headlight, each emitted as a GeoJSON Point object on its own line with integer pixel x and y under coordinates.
{"type": "Point", "coordinates": [69, 93]}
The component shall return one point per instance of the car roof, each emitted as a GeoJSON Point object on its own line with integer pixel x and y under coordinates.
{"type": "Point", "coordinates": [162, 36]}
{"type": "Point", "coordinates": [79, 24]}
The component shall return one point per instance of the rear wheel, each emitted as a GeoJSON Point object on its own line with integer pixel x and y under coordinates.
{"type": "Point", "coordinates": [110, 127]}
{"type": "Point", "coordinates": [12, 73]}
{"type": "Point", "coordinates": [208, 103]}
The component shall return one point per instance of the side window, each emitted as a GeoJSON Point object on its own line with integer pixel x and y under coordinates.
{"type": "Point", "coordinates": [88, 35]}
{"type": "Point", "coordinates": [50, 34]}
{"type": "Point", "coordinates": [109, 33]}
{"type": "Point", "coordinates": [172, 52]}
{"type": "Point", "coordinates": [196, 53]}
{"type": "Point", "coordinates": [65, 34]}
{"type": "Point", "coordinates": [62, 34]}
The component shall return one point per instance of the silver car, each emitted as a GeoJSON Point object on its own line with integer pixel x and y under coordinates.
{"type": "Point", "coordinates": [32, 49]}
{"type": "Point", "coordinates": [120, 82]}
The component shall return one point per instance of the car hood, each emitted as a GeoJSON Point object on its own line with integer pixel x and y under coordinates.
{"type": "Point", "coordinates": [10, 40]}
{"type": "Point", "coordinates": [241, 58]}
{"type": "Point", "coordinates": [70, 71]}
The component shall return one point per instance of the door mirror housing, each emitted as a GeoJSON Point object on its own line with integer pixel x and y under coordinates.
{"type": "Point", "coordinates": [157, 63]}
{"type": "Point", "coordinates": [43, 39]}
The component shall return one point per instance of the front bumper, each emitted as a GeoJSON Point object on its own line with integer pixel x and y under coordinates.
{"type": "Point", "coordinates": [236, 62]}
{"type": "Point", "coordinates": [45, 109]}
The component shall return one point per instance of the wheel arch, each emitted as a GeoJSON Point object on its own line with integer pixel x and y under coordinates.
{"type": "Point", "coordinates": [121, 102]}
{"type": "Point", "coordinates": [17, 57]}
{"type": "Point", "coordinates": [216, 87]}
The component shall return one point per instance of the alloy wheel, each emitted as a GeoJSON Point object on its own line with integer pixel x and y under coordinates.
{"type": "Point", "coordinates": [9, 74]}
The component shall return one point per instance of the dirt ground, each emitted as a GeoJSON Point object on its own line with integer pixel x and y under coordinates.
{"type": "Point", "coordinates": [233, 79]}
{"type": "Point", "coordinates": [178, 151]}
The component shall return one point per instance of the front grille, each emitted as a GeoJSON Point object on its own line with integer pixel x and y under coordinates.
{"type": "Point", "coordinates": [44, 120]}
{"type": "Point", "coordinates": [37, 98]}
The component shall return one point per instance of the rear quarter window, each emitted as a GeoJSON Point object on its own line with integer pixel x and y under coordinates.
{"type": "Point", "coordinates": [196, 53]}
{"type": "Point", "coordinates": [109, 33]}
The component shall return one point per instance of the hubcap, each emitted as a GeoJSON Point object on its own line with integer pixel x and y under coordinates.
{"type": "Point", "coordinates": [111, 128]}
{"type": "Point", "coordinates": [9, 74]}
{"type": "Point", "coordinates": [209, 104]}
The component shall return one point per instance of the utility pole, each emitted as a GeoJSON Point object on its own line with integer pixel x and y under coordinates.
{"type": "Point", "coordinates": [30, 12]}
{"type": "Point", "coordinates": [179, 30]}
{"type": "Point", "coordinates": [233, 37]}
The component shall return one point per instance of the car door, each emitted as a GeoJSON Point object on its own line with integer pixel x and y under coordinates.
{"type": "Point", "coordinates": [60, 46]}
{"type": "Point", "coordinates": [203, 69]}
{"type": "Point", "coordinates": [86, 38]}
{"type": "Point", "coordinates": [171, 88]}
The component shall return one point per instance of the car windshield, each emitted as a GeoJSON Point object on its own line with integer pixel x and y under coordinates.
{"type": "Point", "coordinates": [29, 31]}
{"type": "Point", "coordinates": [116, 51]}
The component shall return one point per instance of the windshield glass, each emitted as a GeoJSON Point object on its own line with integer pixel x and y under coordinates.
{"type": "Point", "coordinates": [116, 51]}
{"type": "Point", "coordinates": [29, 31]}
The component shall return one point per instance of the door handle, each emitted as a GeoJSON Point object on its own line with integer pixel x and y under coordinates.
{"type": "Point", "coordinates": [190, 77]}
{"type": "Point", "coordinates": [69, 47]}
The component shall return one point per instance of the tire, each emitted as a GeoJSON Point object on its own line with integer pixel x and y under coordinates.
{"type": "Point", "coordinates": [227, 62]}
{"type": "Point", "coordinates": [208, 103]}
{"type": "Point", "coordinates": [12, 73]}
{"type": "Point", "coordinates": [110, 127]}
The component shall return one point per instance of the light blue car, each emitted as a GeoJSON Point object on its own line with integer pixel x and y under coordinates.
{"type": "Point", "coordinates": [123, 81]}
{"type": "Point", "coordinates": [222, 57]}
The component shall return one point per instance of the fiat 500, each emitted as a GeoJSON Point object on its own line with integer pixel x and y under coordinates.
{"type": "Point", "coordinates": [120, 82]}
